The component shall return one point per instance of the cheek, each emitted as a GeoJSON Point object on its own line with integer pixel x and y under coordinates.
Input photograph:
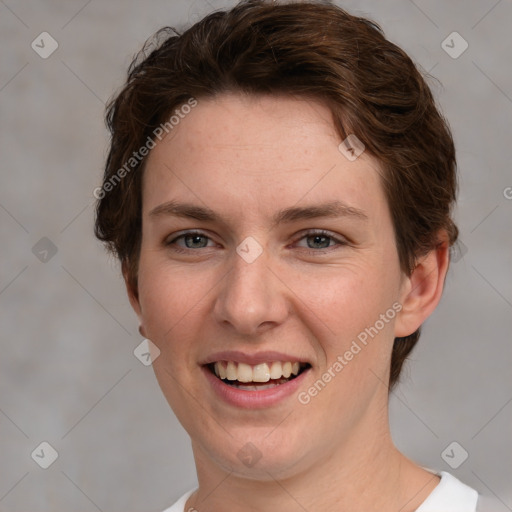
{"type": "Point", "coordinates": [176, 309]}
{"type": "Point", "coordinates": [171, 312]}
{"type": "Point", "coordinates": [357, 308]}
{"type": "Point", "coordinates": [166, 296]}
{"type": "Point", "coordinates": [346, 301]}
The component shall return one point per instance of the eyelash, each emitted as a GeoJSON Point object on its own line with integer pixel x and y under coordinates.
{"type": "Point", "coordinates": [321, 233]}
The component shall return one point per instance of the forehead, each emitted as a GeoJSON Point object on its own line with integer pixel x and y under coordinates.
{"type": "Point", "coordinates": [256, 152]}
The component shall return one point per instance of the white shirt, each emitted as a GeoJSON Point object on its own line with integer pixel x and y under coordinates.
{"type": "Point", "coordinates": [450, 495]}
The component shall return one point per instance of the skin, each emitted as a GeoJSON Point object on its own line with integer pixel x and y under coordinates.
{"type": "Point", "coordinates": [247, 158]}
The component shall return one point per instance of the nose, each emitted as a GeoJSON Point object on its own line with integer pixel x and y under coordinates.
{"type": "Point", "coordinates": [251, 297]}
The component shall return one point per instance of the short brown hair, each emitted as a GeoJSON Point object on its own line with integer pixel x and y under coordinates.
{"type": "Point", "coordinates": [309, 49]}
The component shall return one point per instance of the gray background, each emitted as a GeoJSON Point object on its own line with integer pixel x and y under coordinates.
{"type": "Point", "coordinates": [68, 375]}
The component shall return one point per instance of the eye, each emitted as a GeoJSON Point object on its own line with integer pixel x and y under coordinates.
{"type": "Point", "coordinates": [321, 241]}
{"type": "Point", "coordinates": [318, 241]}
{"type": "Point", "coordinates": [192, 240]}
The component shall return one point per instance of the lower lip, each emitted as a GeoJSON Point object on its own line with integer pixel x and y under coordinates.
{"type": "Point", "coordinates": [254, 399]}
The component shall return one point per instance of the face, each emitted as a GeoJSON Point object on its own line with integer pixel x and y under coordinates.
{"type": "Point", "coordinates": [266, 251]}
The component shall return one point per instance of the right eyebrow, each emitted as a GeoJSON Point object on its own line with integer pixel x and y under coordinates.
{"type": "Point", "coordinates": [185, 210]}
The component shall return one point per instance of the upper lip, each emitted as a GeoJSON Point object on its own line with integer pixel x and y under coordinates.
{"type": "Point", "coordinates": [252, 359]}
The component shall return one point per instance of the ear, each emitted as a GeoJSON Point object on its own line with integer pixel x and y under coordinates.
{"type": "Point", "coordinates": [131, 290]}
{"type": "Point", "coordinates": [421, 291]}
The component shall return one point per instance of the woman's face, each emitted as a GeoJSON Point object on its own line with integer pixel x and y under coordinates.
{"type": "Point", "coordinates": [292, 260]}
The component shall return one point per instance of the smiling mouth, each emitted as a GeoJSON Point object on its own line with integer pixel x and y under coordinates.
{"type": "Point", "coordinates": [257, 377]}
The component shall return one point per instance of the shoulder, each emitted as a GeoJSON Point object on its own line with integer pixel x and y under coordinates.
{"type": "Point", "coordinates": [179, 506]}
{"type": "Point", "coordinates": [450, 495]}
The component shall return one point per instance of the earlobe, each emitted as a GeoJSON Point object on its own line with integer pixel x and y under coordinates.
{"type": "Point", "coordinates": [422, 290]}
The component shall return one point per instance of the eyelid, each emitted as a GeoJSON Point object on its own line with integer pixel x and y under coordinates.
{"type": "Point", "coordinates": [168, 240]}
{"type": "Point", "coordinates": [339, 239]}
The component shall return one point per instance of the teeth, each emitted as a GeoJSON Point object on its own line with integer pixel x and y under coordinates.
{"type": "Point", "coordinates": [263, 372]}
{"type": "Point", "coordinates": [244, 373]}
{"type": "Point", "coordinates": [231, 371]}
{"type": "Point", "coordinates": [260, 373]}
{"type": "Point", "coordinates": [221, 369]}
{"type": "Point", "coordinates": [276, 370]}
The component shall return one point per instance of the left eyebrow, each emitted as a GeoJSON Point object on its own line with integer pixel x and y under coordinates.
{"type": "Point", "coordinates": [332, 209]}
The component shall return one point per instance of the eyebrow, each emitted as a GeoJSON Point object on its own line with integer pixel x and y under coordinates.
{"type": "Point", "coordinates": [333, 209]}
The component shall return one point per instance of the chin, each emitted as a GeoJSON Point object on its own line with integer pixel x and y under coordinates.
{"type": "Point", "coordinates": [256, 455]}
